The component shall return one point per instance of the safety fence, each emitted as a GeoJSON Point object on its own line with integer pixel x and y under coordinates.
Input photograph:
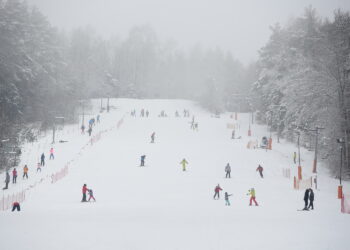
{"type": "Point", "coordinates": [345, 204]}
{"type": "Point", "coordinates": [7, 202]}
{"type": "Point", "coordinates": [286, 172]}
{"type": "Point", "coordinates": [302, 184]}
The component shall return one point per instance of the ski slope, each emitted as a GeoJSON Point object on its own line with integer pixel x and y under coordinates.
{"type": "Point", "coordinates": [161, 207]}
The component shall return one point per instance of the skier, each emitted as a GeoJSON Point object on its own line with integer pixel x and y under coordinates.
{"type": "Point", "coordinates": [15, 206]}
{"type": "Point", "coordinates": [84, 190]}
{"type": "Point", "coordinates": [51, 154]}
{"type": "Point", "coordinates": [152, 137]}
{"type": "Point", "coordinates": [196, 126]}
{"type": "Point", "coordinates": [147, 113]}
{"type": "Point", "coordinates": [251, 192]}
{"type": "Point", "coordinates": [311, 199]}
{"type": "Point", "coordinates": [233, 134]}
{"type": "Point", "coordinates": [176, 114]}
{"type": "Point", "coordinates": [142, 113]}
{"type": "Point", "coordinates": [295, 157]}
{"type": "Point", "coordinates": [143, 160]}
{"type": "Point", "coordinates": [7, 180]}
{"type": "Point", "coordinates": [306, 198]}
{"type": "Point", "coordinates": [228, 170]}
{"type": "Point", "coordinates": [217, 191]}
{"type": "Point", "coordinates": [91, 194]}
{"type": "Point", "coordinates": [25, 171]}
{"type": "Point", "coordinates": [38, 167]}
{"type": "Point", "coordinates": [98, 118]}
{"type": "Point", "coordinates": [42, 158]}
{"type": "Point", "coordinates": [192, 123]}
{"type": "Point", "coordinates": [91, 122]}
{"type": "Point", "coordinates": [183, 163]}
{"type": "Point", "coordinates": [83, 129]}
{"type": "Point", "coordinates": [260, 169]}
{"type": "Point", "coordinates": [14, 176]}
{"type": "Point", "coordinates": [227, 201]}
{"type": "Point", "coordinates": [90, 131]}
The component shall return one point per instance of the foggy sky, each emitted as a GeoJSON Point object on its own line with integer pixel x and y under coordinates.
{"type": "Point", "coordinates": [241, 26]}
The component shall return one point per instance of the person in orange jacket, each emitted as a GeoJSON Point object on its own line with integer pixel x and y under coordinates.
{"type": "Point", "coordinates": [25, 171]}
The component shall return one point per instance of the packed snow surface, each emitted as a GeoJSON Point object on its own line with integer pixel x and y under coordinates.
{"type": "Point", "coordinates": [159, 206]}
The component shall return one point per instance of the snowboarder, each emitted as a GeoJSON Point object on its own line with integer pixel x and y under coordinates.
{"type": "Point", "coordinates": [184, 163]}
{"type": "Point", "coordinates": [14, 176]}
{"type": "Point", "coordinates": [7, 180]}
{"type": "Point", "coordinates": [152, 137]}
{"type": "Point", "coordinates": [25, 171]}
{"type": "Point", "coordinates": [251, 192]}
{"type": "Point", "coordinates": [84, 190]}
{"type": "Point", "coordinates": [233, 134]}
{"type": "Point", "coordinates": [91, 195]}
{"type": "Point", "coordinates": [306, 198]}
{"type": "Point", "coordinates": [82, 129]}
{"type": "Point", "coordinates": [311, 199]}
{"type": "Point", "coordinates": [143, 160]}
{"type": "Point", "coordinates": [38, 168]}
{"type": "Point", "coordinates": [228, 170]}
{"type": "Point", "coordinates": [51, 154]}
{"type": "Point", "coordinates": [227, 201]}
{"type": "Point", "coordinates": [15, 206]}
{"type": "Point", "coordinates": [295, 157]}
{"type": "Point", "coordinates": [42, 158]}
{"type": "Point", "coordinates": [217, 191]}
{"type": "Point", "coordinates": [90, 131]}
{"type": "Point", "coordinates": [260, 169]}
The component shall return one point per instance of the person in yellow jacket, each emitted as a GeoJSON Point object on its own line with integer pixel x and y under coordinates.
{"type": "Point", "coordinates": [25, 171]}
{"type": "Point", "coordinates": [251, 192]}
{"type": "Point", "coordinates": [184, 163]}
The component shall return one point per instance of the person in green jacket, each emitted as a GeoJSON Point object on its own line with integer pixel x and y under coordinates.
{"type": "Point", "coordinates": [251, 192]}
{"type": "Point", "coordinates": [184, 163]}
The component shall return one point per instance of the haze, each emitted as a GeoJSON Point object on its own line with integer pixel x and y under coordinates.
{"type": "Point", "coordinates": [239, 26]}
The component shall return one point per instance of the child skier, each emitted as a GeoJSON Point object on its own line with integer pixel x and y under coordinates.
{"type": "Point", "coordinates": [183, 163]}
{"type": "Point", "coordinates": [228, 170]}
{"type": "Point", "coordinates": [25, 171]}
{"type": "Point", "coordinates": [14, 176]}
{"type": "Point", "coordinates": [227, 201]}
{"type": "Point", "coordinates": [260, 169]}
{"type": "Point", "coordinates": [91, 194]}
{"type": "Point", "coordinates": [251, 192]}
{"type": "Point", "coordinates": [217, 191]}
{"type": "Point", "coordinates": [51, 154]}
{"type": "Point", "coordinates": [143, 160]}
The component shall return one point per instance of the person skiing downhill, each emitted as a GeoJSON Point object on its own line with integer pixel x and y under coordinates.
{"type": "Point", "coordinates": [84, 190]}
{"type": "Point", "coordinates": [42, 159]}
{"type": "Point", "coordinates": [14, 176]}
{"type": "Point", "coordinates": [91, 195]}
{"type": "Point", "coordinates": [228, 170]}
{"type": "Point", "coordinates": [260, 169]}
{"type": "Point", "coordinates": [143, 160]}
{"type": "Point", "coordinates": [51, 154]}
{"type": "Point", "coordinates": [227, 201]}
{"type": "Point", "coordinates": [251, 192]}
{"type": "Point", "coordinates": [25, 171]}
{"type": "Point", "coordinates": [15, 206]}
{"type": "Point", "coordinates": [311, 199]}
{"type": "Point", "coordinates": [306, 198]}
{"type": "Point", "coordinates": [7, 180]}
{"type": "Point", "coordinates": [184, 163]}
{"type": "Point", "coordinates": [153, 137]}
{"type": "Point", "coordinates": [217, 191]}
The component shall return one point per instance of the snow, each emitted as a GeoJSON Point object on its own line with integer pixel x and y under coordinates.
{"type": "Point", "coordinates": [161, 207]}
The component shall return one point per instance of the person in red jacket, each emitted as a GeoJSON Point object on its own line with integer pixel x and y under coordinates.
{"type": "Point", "coordinates": [14, 175]}
{"type": "Point", "coordinates": [217, 191]}
{"type": "Point", "coordinates": [260, 169]}
{"type": "Point", "coordinates": [85, 189]}
{"type": "Point", "coordinates": [15, 206]}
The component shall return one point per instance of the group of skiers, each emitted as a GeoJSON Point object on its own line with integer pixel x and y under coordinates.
{"type": "Point", "coordinates": [92, 122]}
{"type": "Point", "coordinates": [26, 170]}
{"type": "Point", "coordinates": [251, 193]}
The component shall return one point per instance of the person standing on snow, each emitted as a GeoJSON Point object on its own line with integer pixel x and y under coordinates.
{"type": "Point", "coordinates": [82, 129]}
{"type": "Point", "coordinates": [38, 168]}
{"type": "Point", "coordinates": [98, 118]}
{"type": "Point", "coordinates": [25, 171]}
{"type": "Point", "coordinates": [306, 198]}
{"type": "Point", "coordinates": [228, 170]}
{"type": "Point", "coordinates": [233, 134]}
{"type": "Point", "coordinates": [153, 137]}
{"type": "Point", "coordinates": [84, 190]}
{"type": "Point", "coordinates": [260, 169]}
{"type": "Point", "coordinates": [91, 194]}
{"type": "Point", "coordinates": [311, 199]}
{"type": "Point", "coordinates": [184, 163]}
{"type": "Point", "coordinates": [147, 113]}
{"type": "Point", "coordinates": [143, 160]}
{"type": "Point", "coordinates": [251, 192]}
{"type": "Point", "coordinates": [51, 154]}
{"type": "Point", "coordinates": [295, 157]}
{"type": "Point", "coordinates": [7, 180]}
{"type": "Point", "coordinates": [14, 176]}
{"type": "Point", "coordinates": [177, 114]}
{"type": "Point", "coordinates": [90, 131]}
{"type": "Point", "coordinates": [15, 206]}
{"type": "Point", "coordinates": [227, 201]}
{"type": "Point", "coordinates": [217, 191]}
{"type": "Point", "coordinates": [42, 159]}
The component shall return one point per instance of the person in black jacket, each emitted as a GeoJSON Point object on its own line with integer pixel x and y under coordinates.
{"type": "Point", "coordinates": [311, 199]}
{"type": "Point", "coordinates": [306, 198]}
{"type": "Point", "coordinates": [7, 180]}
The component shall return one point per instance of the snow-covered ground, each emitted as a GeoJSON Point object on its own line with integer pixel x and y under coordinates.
{"type": "Point", "coordinates": [160, 206]}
